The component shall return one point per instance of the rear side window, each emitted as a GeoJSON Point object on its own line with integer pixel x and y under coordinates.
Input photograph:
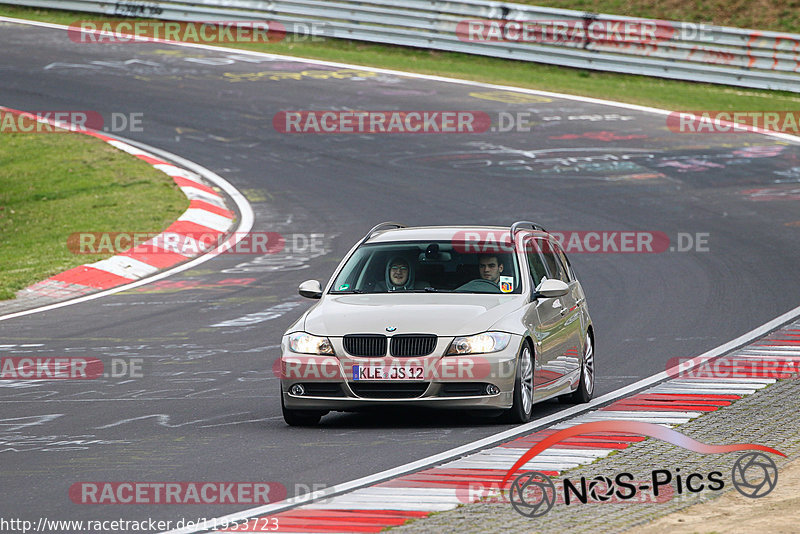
{"type": "Point", "coordinates": [555, 269]}
{"type": "Point", "coordinates": [567, 265]}
{"type": "Point", "coordinates": [535, 262]}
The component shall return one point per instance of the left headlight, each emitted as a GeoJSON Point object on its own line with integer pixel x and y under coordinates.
{"type": "Point", "coordinates": [304, 343]}
{"type": "Point", "coordinates": [479, 343]}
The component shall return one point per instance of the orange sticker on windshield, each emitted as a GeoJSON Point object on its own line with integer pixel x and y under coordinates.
{"type": "Point", "coordinates": [506, 284]}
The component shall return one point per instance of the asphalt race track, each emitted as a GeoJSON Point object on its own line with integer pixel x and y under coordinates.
{"type": "Point", "coordinates": [208, 409]}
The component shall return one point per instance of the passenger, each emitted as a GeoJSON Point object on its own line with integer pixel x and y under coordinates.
{"type": "Point", "coordinates": [399, 275]}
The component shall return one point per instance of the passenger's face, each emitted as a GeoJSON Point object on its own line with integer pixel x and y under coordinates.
{"type": "Point", "coordinates": [490, 268]}
{"type": "Point", "coordinates": [398, 273]}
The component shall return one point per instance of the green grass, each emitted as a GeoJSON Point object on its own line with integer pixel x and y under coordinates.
{"type": "Point", "coordinates": [52, 185]}
{"type": "Point", "coordinates": [668, 94]}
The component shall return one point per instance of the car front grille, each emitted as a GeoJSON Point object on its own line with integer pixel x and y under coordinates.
{"type": "Point", "coordinates": [413, 344]}
{"type": "Point", "coordinates": [384, 390]}
{"type": "Point", "coordinates": [369, 345]}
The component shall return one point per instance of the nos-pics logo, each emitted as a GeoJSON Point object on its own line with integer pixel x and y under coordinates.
{"type": "Point", "coordinates": [533, 493]}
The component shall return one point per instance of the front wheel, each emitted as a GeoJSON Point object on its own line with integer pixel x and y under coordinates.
{"type": "Point", "coordinates": [522, 409]}
{"type": "Point", "coordinates": [300, 417]}
{"type": "Point", "coordinates": [586, 386]}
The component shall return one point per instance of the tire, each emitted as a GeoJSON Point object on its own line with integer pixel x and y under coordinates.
{"type": "Point", "coordinates": [585, 389]}
{"type": "Point", "coordinates": [521, 410]}
{"type": "Point", "coordinates": [300, 417]}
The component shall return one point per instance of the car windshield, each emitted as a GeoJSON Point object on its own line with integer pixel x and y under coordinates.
{"type": "Point", "coordinates": [427, 266]}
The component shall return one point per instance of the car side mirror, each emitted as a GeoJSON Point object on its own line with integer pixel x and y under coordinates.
{"type": "Point", "coordinates": [549, 289]}
{"type": "Point", "coordinates": [310, 289]}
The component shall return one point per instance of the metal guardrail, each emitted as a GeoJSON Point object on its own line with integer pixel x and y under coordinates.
{"type": "Point", "coordinates": [684, 51]}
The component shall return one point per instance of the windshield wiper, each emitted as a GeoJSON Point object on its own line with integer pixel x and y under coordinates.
{"type": "Point", "coordinates": [428, 289]}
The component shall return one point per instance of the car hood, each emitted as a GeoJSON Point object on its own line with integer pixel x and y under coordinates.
{"type": "Point", "coordinates": [434, 313]}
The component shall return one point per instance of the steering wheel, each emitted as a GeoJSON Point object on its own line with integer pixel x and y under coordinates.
{"type": "Point", "coordinates": [480, 285]}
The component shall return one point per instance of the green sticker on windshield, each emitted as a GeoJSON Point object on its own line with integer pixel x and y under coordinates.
{"type": "Point", "coordinates": [344, 287]}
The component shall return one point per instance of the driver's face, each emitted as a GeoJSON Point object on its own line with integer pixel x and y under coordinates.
{"type": "Point", "coordinates": [398, 273]}
{"type": "Point", "coordinates": [490, 268]}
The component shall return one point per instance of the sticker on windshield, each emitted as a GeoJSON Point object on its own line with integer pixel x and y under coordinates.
{"type": "Point", "coordinates": [343, 287]}
{"type": "Point", "coordinates": [506, 284]}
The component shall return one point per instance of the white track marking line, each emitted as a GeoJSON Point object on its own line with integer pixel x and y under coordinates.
{"type": "Point", "coordinates": [409, 506]}
{"type": "Point", "coordinates": [723, 380]}
{"type": "Point", "coordinates": [206, 218]}
{"type": "Point", "coordinates": [536, 465]}
{"type": "Point", "coordinates": [716, 387]}
{"type": "Point", "coordinates": [130, 149]}
{"type": "Point", "coordinates": [395, 497]}
{"type": "Point", "coordinates": [762, 353]}
{"type": "Point", "coordinates": [193, 193]}
{"type": "Point", "coordinates": [508, 452]}
{"type": "Point", "coordinates": [741, 392]}
{"type": "Point", "coordinates": [125, 267]}
{"type": "Point", "coordinates": [550, 458]}
{"type": "Point", "coordinates": [777, 348]}
{"type": "Point", "coordinates": [554, 462]}
{"type": "Point", "coordinates": [392, 490]}
{"type": "Point", "coordinates": [173, 171]}
{"type": "Point", "coordinates": [636, 414]}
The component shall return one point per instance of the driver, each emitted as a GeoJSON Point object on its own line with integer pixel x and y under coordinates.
{"type": "Point", "coordinates": [399, 275]}
{"type": "Point", "coordinates": [490, 268]}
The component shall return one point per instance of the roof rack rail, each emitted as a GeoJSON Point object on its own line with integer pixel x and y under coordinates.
{"type": "Point", "coordinates": [388, 224]}
{"type": "Point", "coordinates": [517, 226]}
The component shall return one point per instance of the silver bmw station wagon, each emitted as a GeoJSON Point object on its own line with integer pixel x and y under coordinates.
{"type": "Point", "coordinates": [457, 317]}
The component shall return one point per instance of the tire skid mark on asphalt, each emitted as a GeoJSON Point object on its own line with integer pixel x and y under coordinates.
{"type": "Point", "coordinates": [273, 312]}
{"type": "Point", "coordinates": [172, 384]}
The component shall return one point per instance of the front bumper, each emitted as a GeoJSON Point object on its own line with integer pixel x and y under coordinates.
{"type": "Point", "coordinates": [449, 382]}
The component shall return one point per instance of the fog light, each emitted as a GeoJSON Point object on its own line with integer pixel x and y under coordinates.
{"type": "Point", "coordinates": [491, 389]}
{"type": "Point", "coordinates": [297, 389]}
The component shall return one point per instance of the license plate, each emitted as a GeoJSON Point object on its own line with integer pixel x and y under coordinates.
{"type": "Point", "coordinates": [388, 372]}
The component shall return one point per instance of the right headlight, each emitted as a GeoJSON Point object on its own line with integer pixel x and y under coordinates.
{"type": "Point", "coordinates": [479, 343]}
{"type": "Point", "coordinates": [304, 343]}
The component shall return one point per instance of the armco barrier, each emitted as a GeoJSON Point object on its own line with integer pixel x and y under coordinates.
{"type": "Point", "coordinates": [684, 51]}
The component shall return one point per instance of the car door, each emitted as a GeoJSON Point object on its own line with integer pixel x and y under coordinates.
{"type": "Point", "coordinates": [545, 321]}
{"type": "Point", "coordinates": [569, 358]}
